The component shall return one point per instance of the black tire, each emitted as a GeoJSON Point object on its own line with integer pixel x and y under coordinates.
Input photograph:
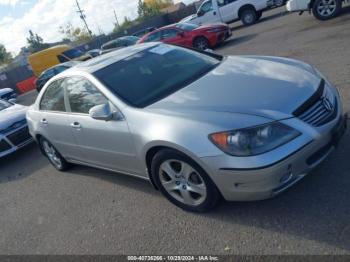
{"type": "Point", "coordinates": [201, 43]}
{"type": "Point", "coordinates": [258, 15]}
{"type": "Point", "coordinates": [248, 16]}
{"type": "Point", "coordinates": [319, 9]}
{"type": "Point", "coordinates": [212, 194]}
{"type": "Point", "coordinates": [63, 166]}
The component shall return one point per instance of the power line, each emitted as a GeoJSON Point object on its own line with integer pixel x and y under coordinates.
{"type": "Point", "coordinates": [83, 17]}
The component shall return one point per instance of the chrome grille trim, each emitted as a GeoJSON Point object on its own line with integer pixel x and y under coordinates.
{"type": "Point", "coordinates": [316, 113]}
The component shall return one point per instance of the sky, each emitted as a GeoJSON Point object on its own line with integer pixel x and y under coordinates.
{"type": "Point", "coordinates": [44, 17]}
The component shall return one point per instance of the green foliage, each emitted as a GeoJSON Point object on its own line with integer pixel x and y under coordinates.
{"type": "Point", "coordinates": [124, 26]}
{"type": "Point", "coordinates": [74, 34]}
{"type": "Point", "coordinates": [35, 42]}
{"type": "Point", "coordinates": [146, 11]}
{"type": "Point", "coordinates": [5, 57]}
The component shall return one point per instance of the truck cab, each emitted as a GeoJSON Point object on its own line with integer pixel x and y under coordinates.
{"type": "Point", "coordinates": [226, 11]}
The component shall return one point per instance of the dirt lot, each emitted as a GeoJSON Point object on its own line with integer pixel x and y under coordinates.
{"type": "Point", "coordinates": [87, 211]}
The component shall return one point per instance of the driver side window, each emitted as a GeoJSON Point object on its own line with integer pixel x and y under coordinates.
{"type": "Point", "coordinates": [206, 7]}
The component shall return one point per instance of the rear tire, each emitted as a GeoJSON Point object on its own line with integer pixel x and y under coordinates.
{"type": "Point", "coordinates": [326, 9]}
{"type": "Point", "coordinates": [248, 16]}
{"type": "Point", "coordinates": [201, 43]}
{"type": "Point", "coordinates": [183, 182]}
{"type": "Point", "coordinates": [53, 155]}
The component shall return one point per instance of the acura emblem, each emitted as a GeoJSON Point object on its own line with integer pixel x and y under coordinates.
{"type": "Point", "coordinates": [327, 104]}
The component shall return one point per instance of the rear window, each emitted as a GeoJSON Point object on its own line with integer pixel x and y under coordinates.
{"type": "Point", "coordinates": [152, 74]}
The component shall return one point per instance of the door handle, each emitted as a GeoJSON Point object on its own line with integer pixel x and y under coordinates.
{"type": "Point", "coordinates": [75, 125]}
{"type": "Point", "coordinates": [44, 121]}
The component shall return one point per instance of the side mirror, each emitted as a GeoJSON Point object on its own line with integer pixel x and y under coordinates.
{"type": "Point", "coordinates": [101, 112]}
{"type": "Point", "coordinates": [13, 100]}
{"type": "Point", "coordinates": [181, 34]}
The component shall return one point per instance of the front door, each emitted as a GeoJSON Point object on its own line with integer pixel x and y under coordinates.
{"type": "Point", "coordinates": [105, 144]}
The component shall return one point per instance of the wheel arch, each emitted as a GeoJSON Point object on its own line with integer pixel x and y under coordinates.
{"type": "Point", "coordinates": [245, 7]}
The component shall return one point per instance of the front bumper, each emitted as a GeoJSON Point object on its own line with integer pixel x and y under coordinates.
{"type": "Point", "coordinates": [14, 140]}
{"type": "Point", "coordinates": [257, 183]}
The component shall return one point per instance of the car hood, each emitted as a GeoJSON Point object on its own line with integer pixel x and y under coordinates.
{"type": "Point", "coordinates": [11, 115]}
{"type": "Point", "coordinates": [270, 87]}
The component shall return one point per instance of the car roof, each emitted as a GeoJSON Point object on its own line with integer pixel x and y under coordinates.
{"type": "Point", "coordinates": [107, 59]}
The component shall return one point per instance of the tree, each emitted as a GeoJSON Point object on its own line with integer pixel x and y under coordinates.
{"type": "Point", "coordinates": [159, 4]}
{"type": "Point", "coordinates": [146, 10]}
{"type": "Point", "coordinates": [35, 42]}
{"type": "Point", "coordinates": [124, 26]}
{"type": "Point", "coordinates": [5, 57]}
{"type": "Point", "coordinates": [74, 34]}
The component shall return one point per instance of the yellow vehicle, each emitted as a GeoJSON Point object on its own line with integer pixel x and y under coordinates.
{"type": "Point", "coordinates": [40, 61]}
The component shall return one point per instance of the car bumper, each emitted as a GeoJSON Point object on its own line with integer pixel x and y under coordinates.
{"type": "Point", "coordinates": [14, 140]}
{"type": "Point", "coordinates": [258, 183]}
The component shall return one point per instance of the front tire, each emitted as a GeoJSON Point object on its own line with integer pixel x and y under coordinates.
{"type": "Point", "coordinates": [183, 182]}
{"type": "Point", "coordinates": [53, 155]}
{"type": "Point", "coordinates": [326, 9]}
{"type": "Point", "coordinates": [248, 16]}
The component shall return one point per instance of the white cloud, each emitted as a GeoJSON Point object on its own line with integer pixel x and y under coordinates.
{"type": "Point", "coordinates": [8, 2]}
{"type": "Point", "coordinates": [46, 16]}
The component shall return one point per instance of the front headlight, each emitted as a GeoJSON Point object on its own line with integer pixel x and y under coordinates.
{"type": "Point", "coordinates": [254, 141]}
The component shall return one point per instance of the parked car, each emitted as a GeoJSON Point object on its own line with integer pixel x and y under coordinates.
{"type": "Point", "coordinates": [94, 52]}
{"type": "Point", "coordinates": [47, 58]}
{"type": "Point", "coordinates": [118, 43]}
{"type": "Point", "coordinates": [190, 35]}
{"type": "Point", "coordinates": [8, 94]}
{"type": "Point", "coordinates": [321, 9]}
{"type": "Point", "coordinates": [142, 32]}
{"type": "Point", "coordinates": [190, 122]}
{"type": "Point", "coordinates": [14, 132]}
{"type": "Point", "coordinates": [227, 11]}
{"type": "Point", "coordinates": [51, 72]}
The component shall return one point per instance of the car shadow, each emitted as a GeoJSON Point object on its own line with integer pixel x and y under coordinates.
{"type": "Point", "coordinates": [132, 182]}
{"type": "Point", "coordinates": [265, 17]}
{"type": "Point", "coordinates": [237, 40]}
{"type": "Point", "coordinates": [29, 158]}
{"type": "Point", "coordinates": [317, 208]}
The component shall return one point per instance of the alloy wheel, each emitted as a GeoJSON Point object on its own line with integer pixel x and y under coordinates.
{"type": "Point", "coordinates": [182, 182]}
{"type": "Point", "coordinates": [326, 7]}
{"type": "Point", "coordinates": [52, 154]}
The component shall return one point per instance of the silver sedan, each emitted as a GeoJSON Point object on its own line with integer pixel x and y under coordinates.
{"type": "Point", "coordinates": [199, 126]}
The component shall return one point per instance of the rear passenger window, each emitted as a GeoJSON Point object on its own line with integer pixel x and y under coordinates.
{"type": "Point", "coordinates": [82, 95]}
{"type": "Point", "coordinates": [53, 98]}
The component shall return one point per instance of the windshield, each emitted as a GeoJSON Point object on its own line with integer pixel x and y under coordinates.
{"type": "Point", "coordinates": [186, 26]}
{"type": "Point", "coordinates": [4, 104]}
{"type": "Point", "coordinates": [132, 39]}
{"type": "Point", "coordinates": [154, 73]}
{"type": "Point", "coordinates": [73, 53]}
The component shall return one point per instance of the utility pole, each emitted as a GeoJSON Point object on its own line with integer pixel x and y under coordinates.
{"type": "Point", "coordinates": [116, 18]}
{"type": "Point", "coordinates": [82, 16]}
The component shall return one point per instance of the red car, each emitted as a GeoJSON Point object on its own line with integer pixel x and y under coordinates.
{"type": "Point", "coordinates": [190, 35]}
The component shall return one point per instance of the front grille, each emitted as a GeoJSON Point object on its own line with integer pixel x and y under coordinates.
{"type": "Point", "coordinates": [14, 126]}
{"type": "Point", "coordinates": [4, 146]}
{"type": "Point", "coordinates": [19, 137]}
{"type": "Point", "coordinates": [320, 108]}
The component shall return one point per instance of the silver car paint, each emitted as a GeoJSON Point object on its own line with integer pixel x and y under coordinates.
{"type": "Point", "coordinates": [241, 92]}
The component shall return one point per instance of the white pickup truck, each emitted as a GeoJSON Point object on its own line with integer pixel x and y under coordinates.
{"type": "Point", "coordinates": [321, 9]}
{"type": "Point", "coordinates": [226, 11]}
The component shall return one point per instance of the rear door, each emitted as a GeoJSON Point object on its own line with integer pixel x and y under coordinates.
{"type": "Point", "coordinates": [105, 144]}
{"type": "Point", "coordinates": [228, 9]}
{"type": "Point", "coordinates": [53, 121]}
